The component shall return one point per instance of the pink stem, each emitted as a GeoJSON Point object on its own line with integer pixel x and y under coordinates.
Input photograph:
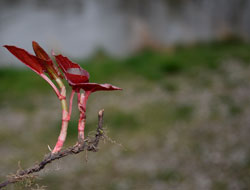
{"type": "Point", "coordinates": [63, 132]}
{"type": "Point", "coordinates": [65, 114]}
{"type": "Point", "coordinates": [82, 101]}
{"type": "Point", "coordinates": [78, 97]}
{"type": "Point", "coordinates": [82, 119]}
{"type": "Point", "coordinates": [51, 84]}
{"type": "Point", "coordinates": [65, 119]}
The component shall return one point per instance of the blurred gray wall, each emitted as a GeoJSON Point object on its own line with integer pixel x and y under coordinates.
{"type": "Point", "coordinates": [79, 27]}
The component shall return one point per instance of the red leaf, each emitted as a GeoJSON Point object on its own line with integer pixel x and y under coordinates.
{"type": "Point", "coordinates": [30, 60]}
{"type": "Point", "coordinates": [92, 87]}
{"type": "Point", "coordinates": [47, 63]}
{"type": "Point", "coordinates": [78, 78]}
{"type": "Point", "coordinates": [72, 71]}
{"type": "Point", "coordinates": [39, 51]}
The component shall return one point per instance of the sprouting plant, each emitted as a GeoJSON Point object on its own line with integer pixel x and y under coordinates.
{"type": "Point", "coordinates": [77, 78]}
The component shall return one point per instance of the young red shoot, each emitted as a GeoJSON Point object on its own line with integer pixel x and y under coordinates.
{"type": "Point", "coordinates": [78, 79]}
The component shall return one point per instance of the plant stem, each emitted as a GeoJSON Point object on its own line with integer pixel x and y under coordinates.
{"type": "Point", "coordinates": [65, 116]}
{"type": "Point", "coordinates": [82, 118]}
{"type": "Point", "coordinates": [82, 101]}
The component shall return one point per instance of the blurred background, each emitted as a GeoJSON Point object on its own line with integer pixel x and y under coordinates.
{"type": "Point", "coordinates": [183, 118]}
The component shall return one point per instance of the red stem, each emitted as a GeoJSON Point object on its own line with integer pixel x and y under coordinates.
{"type": "Point", "coordinates": [82, 101]}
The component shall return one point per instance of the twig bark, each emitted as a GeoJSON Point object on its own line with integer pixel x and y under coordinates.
{"type": "Point", "coordinates": [88, 144]}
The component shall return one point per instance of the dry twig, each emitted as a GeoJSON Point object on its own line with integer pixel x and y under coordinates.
{"type": "Point", "coordinates": [88, 144]}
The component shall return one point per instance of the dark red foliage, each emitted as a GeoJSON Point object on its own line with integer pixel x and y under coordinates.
{"type": "Point", "coordinates": [72, 71]}
{"type": "Point", "coordinates": [31, 61]}
{"type": "Point", "coordinates": [50, 68]}
{"type": "Point", "coordinates": [92, 87]}
{"type": "Point", "coordinates": [40, 63]}
{"type": "Point", "coordinates": [78, 78]}
{"type": "Point", "coordinates": [39, 51]}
